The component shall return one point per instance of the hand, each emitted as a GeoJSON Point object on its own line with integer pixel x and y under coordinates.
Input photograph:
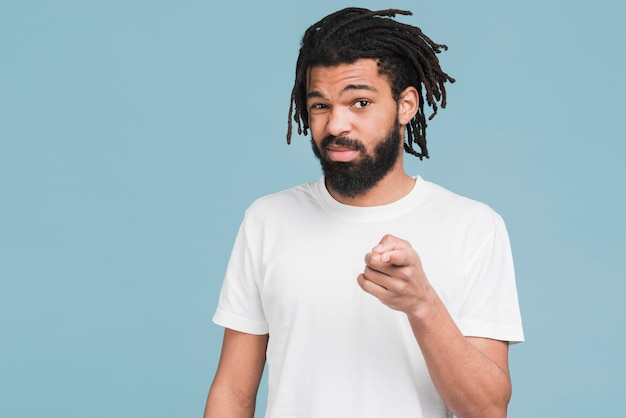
{"type": "Point", "coordinates": [394, 274]}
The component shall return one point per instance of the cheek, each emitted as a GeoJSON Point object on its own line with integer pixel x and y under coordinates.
{"type": "Point", "coordinates": [316, 125]}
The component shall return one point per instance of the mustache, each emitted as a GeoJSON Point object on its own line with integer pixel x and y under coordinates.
{"type": "Point", "coordinates": [342, 141]}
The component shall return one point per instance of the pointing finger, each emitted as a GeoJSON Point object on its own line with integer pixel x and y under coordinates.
{"type": "Point", "coordinates": [390, 242]}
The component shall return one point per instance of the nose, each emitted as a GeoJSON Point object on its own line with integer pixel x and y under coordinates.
{"type": "Point", "coordinates": [339, 122]}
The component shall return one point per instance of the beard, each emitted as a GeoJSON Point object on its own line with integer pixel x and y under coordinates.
{"type": "Point", "coordinates": [356, 178]}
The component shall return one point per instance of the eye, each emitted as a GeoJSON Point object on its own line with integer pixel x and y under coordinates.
{"type": "Point", "coordinates": [318, 106]}
{"type": "Point", "coordinates": [361, 104]}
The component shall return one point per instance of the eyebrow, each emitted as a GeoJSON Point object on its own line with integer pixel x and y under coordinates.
{"type": "Point", "coordinates": [349, 87]}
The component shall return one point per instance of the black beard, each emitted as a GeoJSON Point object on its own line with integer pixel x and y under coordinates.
{"type": "Point", "coordinates": [356, 178]}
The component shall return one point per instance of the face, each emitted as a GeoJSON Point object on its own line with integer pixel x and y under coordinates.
{"type": "Point", "coordinates": [355, 126]}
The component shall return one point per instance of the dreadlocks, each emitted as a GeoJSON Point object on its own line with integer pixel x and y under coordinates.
{"type": "Point", "coordinates": [404, 54]}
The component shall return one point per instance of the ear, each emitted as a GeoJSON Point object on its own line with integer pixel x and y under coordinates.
{"type": "Point", "coordinates": [408, 104]}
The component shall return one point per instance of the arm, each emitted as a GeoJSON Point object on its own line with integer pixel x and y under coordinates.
{"type": "Point", "coordinates": [234, 389]}
{"type": "Point", "coordinates": [470, 374]}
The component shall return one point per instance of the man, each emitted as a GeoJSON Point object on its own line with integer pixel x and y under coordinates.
{"type": "Point", "coordinates": [370, 293]}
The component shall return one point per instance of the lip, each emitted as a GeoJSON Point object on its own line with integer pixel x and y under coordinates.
{"type": "Point", "coordinates": [341, 154]}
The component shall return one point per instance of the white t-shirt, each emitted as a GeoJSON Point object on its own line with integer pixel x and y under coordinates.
{"type": "Point", "coordinates": [334, 350]}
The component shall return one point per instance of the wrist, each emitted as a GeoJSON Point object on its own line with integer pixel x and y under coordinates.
{"type": "Point", "coordinates": [427, 310]}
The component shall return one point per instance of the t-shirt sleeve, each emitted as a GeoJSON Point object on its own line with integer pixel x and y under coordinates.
{"type": "Point", "coordinates": [491, 307]}
{"type": "Point", "coordinates": [239, 305]}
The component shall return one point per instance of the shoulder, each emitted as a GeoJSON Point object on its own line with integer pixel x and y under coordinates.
{"type": "Point", "coordinates": [280, 204]}
{"type": "Point", "coordinates": [451, 207]}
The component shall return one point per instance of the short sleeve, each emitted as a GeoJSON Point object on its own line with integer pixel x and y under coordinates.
{"type": "Point", "coordinates": [240, 307]}
{"type": "Point", "coordinates": [491, 308]}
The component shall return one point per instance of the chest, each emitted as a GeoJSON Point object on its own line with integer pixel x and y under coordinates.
{"type": "Point", "coordinates": [312, 269]}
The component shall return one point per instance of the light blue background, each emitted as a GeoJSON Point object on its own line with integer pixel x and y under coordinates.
{"type": "Point", "coordinates": [133, 135]}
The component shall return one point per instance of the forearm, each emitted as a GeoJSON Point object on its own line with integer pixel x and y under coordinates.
{"type": "Point", "coordinates": [469, 382]}
{"type": "Point", "coordinates": [234, 389]}
{"type": "Point", "coordinates": [224, 403]}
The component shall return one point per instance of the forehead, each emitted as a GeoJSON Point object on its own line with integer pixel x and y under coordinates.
{"type": "Point", "coordinates": [362, 73]}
